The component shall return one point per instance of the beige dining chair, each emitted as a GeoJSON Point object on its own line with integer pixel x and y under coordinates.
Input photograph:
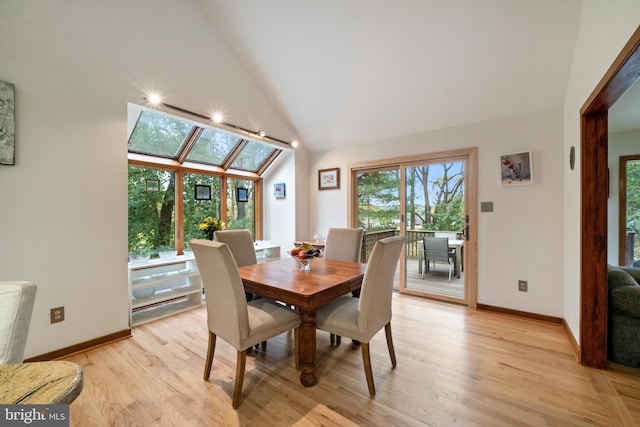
{"type": "Point", "coordinates": [16, 306]}
{"type": "Point", "coordinates": [436, 249]}
{"type": "Point", "coordinates": [343, 244]}
{"type": "Point", "coordinates": [361, 318]}
{"type": "Point", "coordinates": [241, 245]}
{"type": "Point", "coordinates": [229, 316]}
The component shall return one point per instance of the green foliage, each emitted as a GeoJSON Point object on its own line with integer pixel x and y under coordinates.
{"type": "Point", "coordinates": [378, 200]}
{"type": "Point", "coordinates": [434, 198]}
{"type": "Point", "coordinates": [195, 211]}
{"type": "Point", "coordinates": [240, 215]}
{"type": "Point", "coordinates": [448, 216]}
{"type": "Point", "coordinates": [151, 213]}
{"type": "Point", "coordinates": [633, 202]}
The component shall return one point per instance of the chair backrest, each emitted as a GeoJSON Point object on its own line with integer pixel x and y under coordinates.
{"type": "Point", "coordinates": [16, 306]}
{"type": "Point", "coordinates": [241, 245]}
{"type": "Point", "coordinates": [344, 244]}
{"type": "Point", "coordinates": [227, 314]}
{"type": "Point", "coordinates": [374, 305]}
{"type": "Point", "coordinates": [448, 234]}
{"type": "Point", "coordinates": [436, 249]}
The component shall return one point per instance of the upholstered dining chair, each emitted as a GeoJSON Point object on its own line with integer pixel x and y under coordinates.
{"type": "Point", "coordinates": [436, 249]}
{"type": "Point", "coordinates": [361, 318]}
{"type": "Point", "coordinates": [241, 245]}
{"type": "Point", "coordinates": [343, 244]}
{"type": "Point", "coordinates": [229, 316]}
{"type": "Point", "coordinates": [16, 306]}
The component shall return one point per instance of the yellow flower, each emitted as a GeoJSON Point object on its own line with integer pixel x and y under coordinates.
{"type": "Point", "coordinates": [209, 225]}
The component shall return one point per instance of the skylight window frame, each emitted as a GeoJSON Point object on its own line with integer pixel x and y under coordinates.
{"type": "Point", "coordinates": [191, 140]}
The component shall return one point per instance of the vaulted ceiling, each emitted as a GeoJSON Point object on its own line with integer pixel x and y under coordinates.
{"type": "Point", "coordinates": [352, 71]}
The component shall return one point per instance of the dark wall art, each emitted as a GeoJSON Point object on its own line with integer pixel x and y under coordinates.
{"type": "Point", "coordinates": [7, 123]}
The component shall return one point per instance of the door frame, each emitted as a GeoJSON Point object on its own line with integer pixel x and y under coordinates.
{"type": "Point", "coordinates": [622, 74]}
{"type": "Point", "coordinates": [471, 204]}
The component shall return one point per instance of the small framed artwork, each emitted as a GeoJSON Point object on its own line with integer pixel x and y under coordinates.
{"type": "Point", "coordinates": [242, 195]}
{"type": "Point", "coordinates": [328, 179]}
{"type": "Point", "coordinates": [7, 123]}
{"type": "Point", "coordinates": [202, 192]}
{"type": "Point", "coordinates": [516, 169]}
{"type": "Point", "coordinates": [280, 190]}
{"type": "Point", "coordinates": [152, 184]}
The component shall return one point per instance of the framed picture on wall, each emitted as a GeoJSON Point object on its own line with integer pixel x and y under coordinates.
{"type": "Point", "coordinates": [516, 169]}
{"type": "Point", "coordinates": [280, 190]}
{"type": "Point", "coordinates": [7, 124]}
{"type": "Point", "coordinates": [152, 184]}
{"type": "Point", "coordinates": [242, 195]}
{"type": "Point", "coordinates": [202, 192]}
{"type": "Point", "coordinates": [328, 179]}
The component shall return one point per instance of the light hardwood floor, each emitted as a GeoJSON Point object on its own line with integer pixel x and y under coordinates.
{"type": "Point", "coordinates": [456, 367]}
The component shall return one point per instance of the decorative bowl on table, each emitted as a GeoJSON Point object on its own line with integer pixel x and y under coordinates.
{"type": "Point", "coordinates": [304, 256]}
{"type": "Point", "coordinates": [304, 262]}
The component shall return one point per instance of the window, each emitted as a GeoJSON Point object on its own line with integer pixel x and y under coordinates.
{"type": "Point", "coordinates": [159, 135]}
{"type": "Point", "coordinates": [151, 209]}
{"type": "Point", "coordinates": [168, 157]}
{"type": "Point", "coordinates": [241, 214]}
{"type": "Point", "coordinates": [197, 210]}
{"type": "Point", "coordinates": [213, 147]}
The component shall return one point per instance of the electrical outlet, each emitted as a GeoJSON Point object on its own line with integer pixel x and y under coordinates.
{"type": "Point", "coordinates": [57, 314]}
{"type": "Point", "coordinates": [522, 285]}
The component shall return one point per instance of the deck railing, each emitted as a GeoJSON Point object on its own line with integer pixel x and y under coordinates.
{"type": "Point", "coordinates": [414, 241]}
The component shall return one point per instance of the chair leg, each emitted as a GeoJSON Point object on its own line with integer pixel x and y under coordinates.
{"type": "Point", "coordinates": [392, 353]}
{"type": "Point", "coordinates": [237, 389]}
{"type": "Point", "coordinates": [366, 360]}
{"type": "Point", "coordinates": [211, 349]}
{"type": "Point", "coordinates": [296, 347]}
{"type": "Point", "coordinates": [333, 338]}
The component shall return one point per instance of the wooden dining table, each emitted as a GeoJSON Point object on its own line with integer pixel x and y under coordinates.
{"type": "Point", "coordinates": [306, 291]}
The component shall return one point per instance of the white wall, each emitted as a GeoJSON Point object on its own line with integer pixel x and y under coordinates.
{"type": "Point", "coordinates": [521, 239]}
{"type": "Point", "coordinates": [75, 65]}
{"type": "Point", "coordinates": [605, 28]}
{"type": "Point", "coordinates": [620, 144]}
{"type": "Point", "coordinates": [280, 214]}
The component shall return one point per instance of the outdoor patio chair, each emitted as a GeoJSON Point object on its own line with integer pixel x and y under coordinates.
{"type": "Point", "coordinates": [436, 249]}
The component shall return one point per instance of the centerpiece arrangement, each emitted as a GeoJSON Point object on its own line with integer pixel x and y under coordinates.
{"type": "Point", "coordinates": [210, 225]}
{"type": "Point", "coordinates": [304, 255]}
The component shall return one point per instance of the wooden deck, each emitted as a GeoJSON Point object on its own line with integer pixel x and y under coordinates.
{"type": "Point", "coordinates": [436, 281]}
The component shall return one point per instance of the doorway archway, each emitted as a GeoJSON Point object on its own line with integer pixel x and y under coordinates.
{"type": "Point", "coordinates": [622, 74]}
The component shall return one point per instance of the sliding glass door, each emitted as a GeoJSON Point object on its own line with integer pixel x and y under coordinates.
{"type": "Point", "coordinates": [426, 199]}
{"type": "Point", "coordinates": [434, 205]}
{"type": "Point", "coordinates": [378, 206]}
